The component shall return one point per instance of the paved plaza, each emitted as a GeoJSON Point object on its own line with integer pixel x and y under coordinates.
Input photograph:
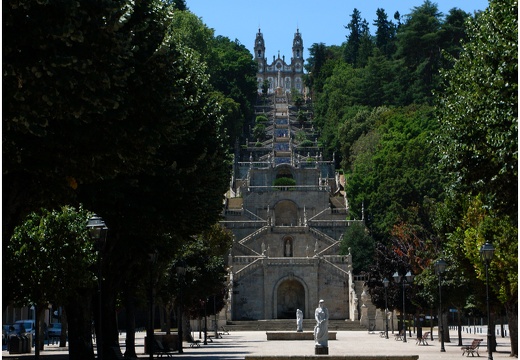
{"type": "Point", "coordinates": [237, 345]}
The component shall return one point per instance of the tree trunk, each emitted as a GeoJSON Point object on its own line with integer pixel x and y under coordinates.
{"type": "Point", "coordinates": [110, 332]}
{"type": "Point", "coordinates": [512, 320]}
{"type": "Point", "coordinates": [64, 329]}
{"type": "Point", "coordinates": [41, 328]}
{"type": "Point", "coordinates": [459, 326]}
{"type": "Point", "coordinates": [130, 326]}
{"type": "Point", "coordinates": [493, 333]}
{"type": "Point", "coordinates": [79, 315]}
{"type": "Point", "coordinates": [186, 329]}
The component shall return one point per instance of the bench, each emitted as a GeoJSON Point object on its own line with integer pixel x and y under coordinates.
{"type": "Point", "coordinates": [422, 339]}
{"type": "Point", "coordinates": [399, 336]}
{"type": "Point", "coordinates": [161, 349]}
{"type": "Point", "coordinates": [194, 343]}
{"type": "Point", "coordinates": [471, 349]}
{"type": "Point", "coordinates": [224, 331]}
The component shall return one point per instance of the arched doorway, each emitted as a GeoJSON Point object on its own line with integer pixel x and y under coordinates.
{"type": "Point", "coordinates": [290, 297]}
{"type": "Point", "coordinates": [286, 213]}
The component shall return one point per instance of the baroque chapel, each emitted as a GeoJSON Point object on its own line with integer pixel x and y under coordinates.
{"type": "Point", "coordinates": [287, 210]}
{"type": "Point", "coordinates": [279, 74]}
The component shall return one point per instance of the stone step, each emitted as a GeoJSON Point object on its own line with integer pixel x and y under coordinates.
{"type": "Point", "coordinates": [290, 324]}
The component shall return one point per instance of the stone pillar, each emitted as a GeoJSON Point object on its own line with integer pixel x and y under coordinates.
{"type": "Point", "coordinates": [364, 316]}
{"type": "Point", "coordinates": [364, 310]}
{"type": "Point", "coordinates": [380, 320]}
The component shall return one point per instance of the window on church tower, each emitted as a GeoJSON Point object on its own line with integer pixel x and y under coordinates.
{"type": "Point", "coordinates": [297, 53]}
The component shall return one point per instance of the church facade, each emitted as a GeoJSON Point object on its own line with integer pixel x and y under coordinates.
{"type": "Point", "coordinates": [280, 74]}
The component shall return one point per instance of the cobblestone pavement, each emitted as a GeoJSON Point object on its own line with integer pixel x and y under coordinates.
{"type": "Point", "coordinates": [237, 345]}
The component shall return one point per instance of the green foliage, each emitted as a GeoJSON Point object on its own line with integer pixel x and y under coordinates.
{"type": "Point", "coordinates": [261, 119]}
{"type": "Point", "coordinates": [394, 170]}
{"type": "Point", "coordinates": [230, 66]}
{"type": "Point", "coordinates": [385, 33]}
{"type": "Point", "coordinates": [203, 259]}
{"type": "Point", "coordinates": [478, 143]}
{"type": "Point", "coordinates": [306, 143]}
{"type": "Point", "coordinates": [284, 181]}
{"type": "Point", "coordinates": [478, 110]}
{"type": "Point", "coordinates": [358, 242]}
{"type": "Point", "coordinates": [479, 225]}
{"type": "Point", "coordinates": [351, 49]}
{"type": "Point", "coordinates": [301, 136]}
{"type": "Point", "coordinates": [301, 117]}
{"type": "Point", "coordinates": [478, 116]}
{"type": "Point", "coordinates": [259, 131]}
{"type": "Point", "coordinates": [50, 258]}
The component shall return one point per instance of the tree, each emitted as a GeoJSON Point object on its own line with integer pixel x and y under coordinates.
{"type": "Point", "coordinates": [358, 242]}
{"type": "Point", "coordinates": [54, 258]}
{"type": "Point", "coordinates": [203, 258]}
{"type": "Point", "coordinates": [453, 33]}
{"type": "Point", "coordinates": [161, 155]}
{"type": "Point", "coordinates": [66, 76]}
{"type": "Point", "coordinates": [190, 172]}
{"type": "Point", "coordinates": [418, 45]}
{"type": "Point", "coordinates": [366, 45]}
{"type": "Point", "coordinates": [230, 65]}
{"type": "Point", "coordinates": [397, 178]}
{"type": "Point", "coordinates": [353, 43]}
{"type": "Point", "coordinates": [478, 115]}
{"type": "Point", "coordinates": [314, 64]}
{"type": "Point", "coordinates": [385, 33]}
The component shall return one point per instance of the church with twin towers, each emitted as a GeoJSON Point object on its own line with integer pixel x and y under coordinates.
{"type": "Point", "coordinates": [288, 210]}
{"type": "Point", "coordinates": [280, 74]}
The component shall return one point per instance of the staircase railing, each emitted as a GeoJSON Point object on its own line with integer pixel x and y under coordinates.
{"type": "Point", "coordinates": [254, 235]}
{"type": "Point", "coordinates": [247, 269]}
{"type": "Point", "coordinates": [322, 236]}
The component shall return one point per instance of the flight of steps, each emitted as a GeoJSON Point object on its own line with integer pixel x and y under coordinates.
{"type": "Point", "coordinates": [290, 325]}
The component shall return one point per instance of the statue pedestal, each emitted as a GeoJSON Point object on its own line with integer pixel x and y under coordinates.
{"type": "Point", "coordinates": [321, 350]}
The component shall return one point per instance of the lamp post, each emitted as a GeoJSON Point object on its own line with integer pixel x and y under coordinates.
{"type": "Point", "coordinates": [98, 233]}
{"type": "Point", "coordinates": [152, 259]}
{"type": "Point", "coordinates": [181, 271]}
{"type": "Point", "coordinates": [440, 267]}
{"type": "Point", "coordinates": [408, 278]}
{"type": "Point", "coordinates": [385, 283]}
{"type": "Point", "coordinates": [486, 255]}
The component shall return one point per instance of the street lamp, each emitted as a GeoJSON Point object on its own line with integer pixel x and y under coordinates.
{"type": "Point", "coordinates": [385, 283]}
{"type": "Point", "coordinates": [152, 259]}
{"type": "Point", "coordinates": [486, 255]}
{"type": "Point", "coordinates": [98, 230]}
{"type": "Point", "coordinates": [181, 271]}
{"type": "Point", "coordinates": [408, 278]}
{"type": "Point", "coordinates": [440, 267]}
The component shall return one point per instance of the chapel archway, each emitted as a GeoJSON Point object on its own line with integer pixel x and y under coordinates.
{"type": "Point", "coordinates": [286, 213]}
{"type": "Point", "coordinates": [290, 297]}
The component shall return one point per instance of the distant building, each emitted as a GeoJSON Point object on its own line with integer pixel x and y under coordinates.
{"type": "Point", "coordinates": [282, 76]}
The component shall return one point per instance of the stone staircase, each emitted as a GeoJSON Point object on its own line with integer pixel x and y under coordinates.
{"type": "Point", "coordinates": [290, 325]}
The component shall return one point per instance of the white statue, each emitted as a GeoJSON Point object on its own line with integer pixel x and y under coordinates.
{"type": "Point", "coordinates": [299, 320]}
{"type": "Point", "coordinates": [321, 330]}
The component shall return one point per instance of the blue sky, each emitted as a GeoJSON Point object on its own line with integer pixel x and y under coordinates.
{"type": "Point", "coordinates": [318, 21]}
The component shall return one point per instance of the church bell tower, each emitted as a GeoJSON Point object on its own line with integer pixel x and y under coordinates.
{"type": "Point", "coordinates": [260, 51]}
{"type": "Point", "coordinates": [297, 51]}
